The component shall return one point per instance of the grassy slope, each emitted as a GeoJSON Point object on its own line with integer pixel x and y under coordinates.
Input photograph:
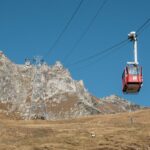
{"type": "Point", "coordinates": [127, 131]}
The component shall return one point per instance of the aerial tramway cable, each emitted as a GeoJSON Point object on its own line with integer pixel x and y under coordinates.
{"type": "Point", "coordinates": [99, 53]}
{"type": "Point", "coordinates": [104, 55]}
{"type": "Point", "coordinates": [145, 25]}
{"type": "Point", "coordinates": [101, 6]}
{"type": "Point", "coordinates": [64, 29]}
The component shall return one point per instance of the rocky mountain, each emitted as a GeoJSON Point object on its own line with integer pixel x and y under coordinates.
{"type": "Point", "coordinates": [39, 91]}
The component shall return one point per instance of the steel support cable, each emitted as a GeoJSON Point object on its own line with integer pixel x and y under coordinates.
{"type": "Point", "coordinates": [64, 29]}
{"type": "Point", "coordinates": [104, 55]}
{"type": "Point", "coordinates": [99, 53]}
{"type": "Point", "coordinates": [85, 31]}
{"type": "Point", "coordinates": [145, 25]}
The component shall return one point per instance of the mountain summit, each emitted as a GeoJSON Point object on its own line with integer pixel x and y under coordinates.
{"type": "Point", "coordinates": [49, 92]}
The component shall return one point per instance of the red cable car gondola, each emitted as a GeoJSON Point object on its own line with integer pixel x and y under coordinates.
{"type": "Point", "coordinates": [132, 79]}
{"type": "Point", "coordinates": [132, 75]}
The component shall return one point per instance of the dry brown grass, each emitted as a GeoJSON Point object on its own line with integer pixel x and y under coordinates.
{"type": "Point", "coordinates": [125, 131]}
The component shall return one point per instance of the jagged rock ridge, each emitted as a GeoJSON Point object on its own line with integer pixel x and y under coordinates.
{"type": "Point", "coordinates": [49, 92]}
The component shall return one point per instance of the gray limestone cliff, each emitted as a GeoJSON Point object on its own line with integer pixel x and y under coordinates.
{"type": "Point", "coordinates": [49, 92]}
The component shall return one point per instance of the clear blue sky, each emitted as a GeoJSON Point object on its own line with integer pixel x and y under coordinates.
{"type": "Point", "coordinates": [30, 27]}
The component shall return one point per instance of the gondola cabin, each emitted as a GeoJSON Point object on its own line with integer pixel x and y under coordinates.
{"type": "Point", "coordinates": [132, 79]}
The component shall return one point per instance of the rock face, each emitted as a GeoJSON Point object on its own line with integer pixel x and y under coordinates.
{"type": "Point", "coordinates": [49, 92]}
{"type": "Point", "coordinates": [115, 104]}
